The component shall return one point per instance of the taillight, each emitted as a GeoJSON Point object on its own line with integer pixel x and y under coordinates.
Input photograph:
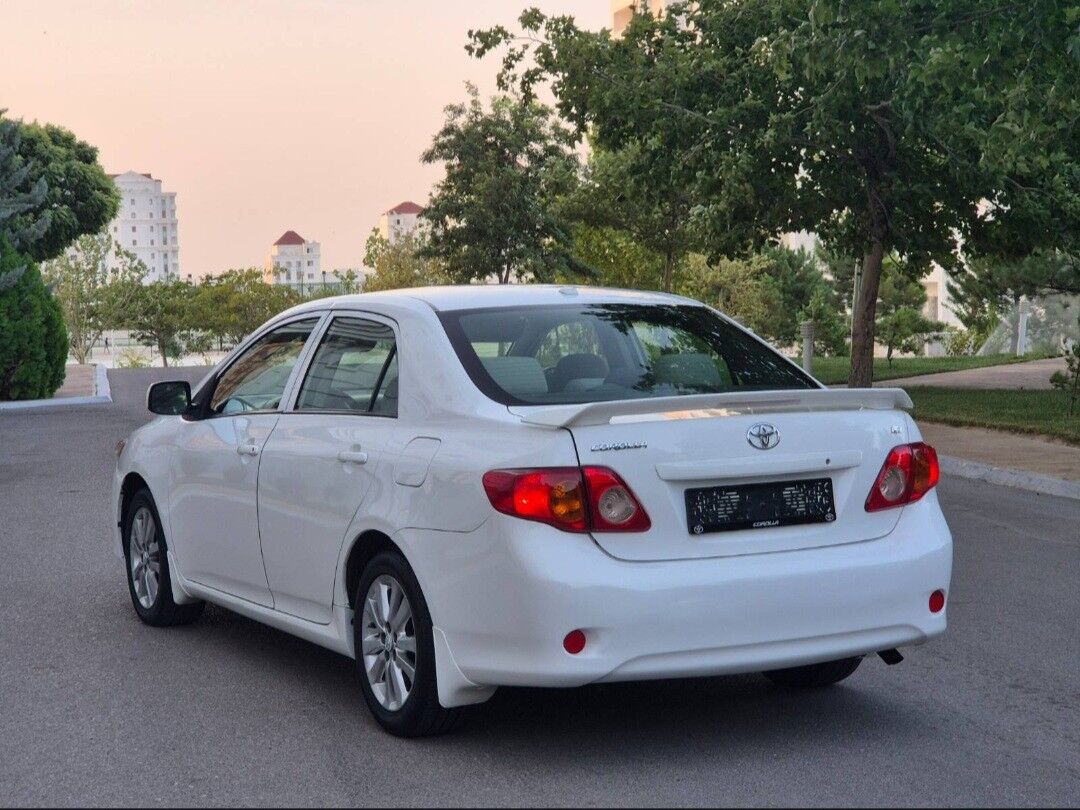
{"type": "Point", "coordinates": [909, 472]}
{"type": "Point", "coordinates": [574, 499]}
{"type": "Point", "coordinates": [613, 507]}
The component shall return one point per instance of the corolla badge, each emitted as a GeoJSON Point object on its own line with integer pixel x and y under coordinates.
{"type": "Point", "coordinates": [763, 436]}
{"type": "Point", "coordinates": [605, 446]}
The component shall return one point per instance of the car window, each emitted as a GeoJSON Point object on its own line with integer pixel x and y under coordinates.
{"type": "Point", "coordinates": [257, 378]}
{"type": "Point", "coordinates": [598, 352]}
{"type": "Point", "coordinates": [356, 359]}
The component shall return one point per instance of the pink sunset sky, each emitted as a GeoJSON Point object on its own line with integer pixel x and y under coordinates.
{"type": "Point", "coordinates": [263, 115]}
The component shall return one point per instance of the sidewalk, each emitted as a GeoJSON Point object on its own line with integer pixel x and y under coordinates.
{"type": "Point", "coordinates": [1031, 376]}
{"type": "Point", "coordinates": [78, 382]}
{"type": "Point", "coordinates": [1007, 459]}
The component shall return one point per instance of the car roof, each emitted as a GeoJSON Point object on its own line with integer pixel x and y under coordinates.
{"type": "Point", "coordinates": [478, 296]}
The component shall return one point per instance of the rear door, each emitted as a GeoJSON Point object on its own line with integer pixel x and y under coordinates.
{"type": "Point", "coordinates": [323, 457]}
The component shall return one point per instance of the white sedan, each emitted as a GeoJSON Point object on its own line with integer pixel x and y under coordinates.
{"type": "Point", "coordinates": [467, 488]}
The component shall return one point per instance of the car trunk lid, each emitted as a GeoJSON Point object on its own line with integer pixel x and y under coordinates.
{"type": "Point", "coordinates": [665, 447]}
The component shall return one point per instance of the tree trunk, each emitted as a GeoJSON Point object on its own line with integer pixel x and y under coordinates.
{"type": "Point", "coordinates": [669, 269]}
{"type": "Point", "coordinates": [862, 331]}
{"type": "Point", "coordinates": [164, 358]}
{"type": "Point", "coordinates": [1014, 340]}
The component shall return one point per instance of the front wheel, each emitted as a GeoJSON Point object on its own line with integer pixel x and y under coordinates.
{"type": "Point", "coordinates": [145, 553]}
{"type": "Point", "coordinates": [395, 653]}
{"type": "Point", "coordinates": [815, 676]}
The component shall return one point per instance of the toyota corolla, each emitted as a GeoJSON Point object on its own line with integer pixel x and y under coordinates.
{"type": "Point", "coordinates": [468, 488]}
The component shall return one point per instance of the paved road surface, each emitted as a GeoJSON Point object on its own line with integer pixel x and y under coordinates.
{"type": "Point", "coordinates": [96, 708]}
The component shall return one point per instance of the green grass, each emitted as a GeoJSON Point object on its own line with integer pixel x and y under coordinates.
{"type": "Point", "coordinates": [1042, 412]}
{"type": "Point", "coordinates": [834, 370]}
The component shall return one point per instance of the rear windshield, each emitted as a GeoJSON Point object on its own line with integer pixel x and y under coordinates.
{"type": "Point", "coordinates": [544, 355]}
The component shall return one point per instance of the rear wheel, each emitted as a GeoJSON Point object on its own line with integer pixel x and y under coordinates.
{"type": "Point", "coordinates": [146, 555]}
{"type": "Point", "coordinates": [395, 653]}
{"type": "Point", "coordinates": [815, 676]}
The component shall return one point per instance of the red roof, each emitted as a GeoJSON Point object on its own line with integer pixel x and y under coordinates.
{"type": "Point", "coordinates": [290, 238]}
{"type": "Point", "coordinates": [406, 208]}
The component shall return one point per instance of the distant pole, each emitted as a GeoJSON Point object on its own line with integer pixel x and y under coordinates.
{"type": "Point", "coordinates": [807, 329]}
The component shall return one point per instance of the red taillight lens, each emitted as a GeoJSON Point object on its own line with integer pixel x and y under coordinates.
{"type": "Point", "coordinates": [555, 495]}
{"type": "Point", "coordinates": [613, 507]}
{"type": "Point", "coordinates": [909, 472]}
{"type": "Point", "coordinates": [570, 498]}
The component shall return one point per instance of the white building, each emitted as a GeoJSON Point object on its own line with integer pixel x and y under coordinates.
{"type": "Point", "coordinates": [399, 221]}
{"type": "Point", "coordinates": [146, 224]}
{"type": "Point", "coordinates": [294, 261]}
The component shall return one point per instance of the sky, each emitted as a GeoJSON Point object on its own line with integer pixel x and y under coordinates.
{"type": "Point", "coordinates": [262, 115]}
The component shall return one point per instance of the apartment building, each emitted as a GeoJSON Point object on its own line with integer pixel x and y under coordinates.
{"type": "Point", "coordinates": [146, 224]}
{"type": "Point", "coordinates": [294, 261]}
{"type": "Point", "coordinates": [398, 221]}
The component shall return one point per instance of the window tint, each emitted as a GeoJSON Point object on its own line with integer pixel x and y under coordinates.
{"type": "Point", "coordinates": [256, 380]}
{"type": "Point", "coordinates": [573, 354]}
{"type": "Point", "coordinates": [355, 361]}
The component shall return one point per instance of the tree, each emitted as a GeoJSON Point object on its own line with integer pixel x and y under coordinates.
{"type": "Point", "coordinates": [492, 215]}
{"type": "Point", "coordinates": [989, 287]}
{"type": "Point", "coordinates": [348, 281]}
{"type": "Point", "coordinates": [235, 303]}
{"type": "Point", "coordinates": [95, 282]}
{"type": "Point", "coordinates": [160, 314]}
{"type": "Point", "coordinates": [901, 326]}
{"type": "Point", "coordinates": [33, 341]}
{"type": "Point", "coordinates": [402, 264]}
{"type": "Point", "coordinates": [879, 125]}
{"type": "Point", "coordinates": [617, 258]}
{"type": "Point", "coordinates": [1068, 381]}
{"type": "Point", "coordinates": [638, 191]}
{"type": "Point", "coordinates": [79, 198]}
{"type": "Point", "coordinates": [19, 194]}
{"type": "Point", "coordinates": [740, 288]}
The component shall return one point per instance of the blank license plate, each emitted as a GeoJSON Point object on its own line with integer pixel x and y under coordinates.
{"type": "Point", "coordinates": [759, 506]}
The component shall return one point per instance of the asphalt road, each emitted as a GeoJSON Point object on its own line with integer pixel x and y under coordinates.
{"type": "Point", "coordinates": [96, 708]}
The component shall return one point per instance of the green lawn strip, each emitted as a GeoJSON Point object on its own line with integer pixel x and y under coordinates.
{"type": "Point", "coordinates": [834, 370]}
{"type": "Point", "coordinates": [1041, 412]}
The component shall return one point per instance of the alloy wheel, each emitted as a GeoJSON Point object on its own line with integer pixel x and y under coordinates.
{"type": "Point", "coordinates": [388, 642]}
{"type": "Point", "coordinates": [144, 552]}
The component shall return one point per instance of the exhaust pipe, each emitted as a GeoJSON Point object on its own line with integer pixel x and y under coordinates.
{"type": "Point", "coordinates": [891, 657]}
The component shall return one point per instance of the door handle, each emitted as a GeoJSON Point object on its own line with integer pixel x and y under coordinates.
{"type": "Point", "coordinates": [247, 449]}
{"type": "Point", "coordinates": [352, 457]}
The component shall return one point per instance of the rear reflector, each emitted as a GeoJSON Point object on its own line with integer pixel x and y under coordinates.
{"type": "Point", "coordinates": [937, 601]}
{"type": "Point", "coordinates": [909, 472]}
{"type": "Point", "coordinates": [574, 642]}
{"type": "Point", "coordinates": [574, 499]}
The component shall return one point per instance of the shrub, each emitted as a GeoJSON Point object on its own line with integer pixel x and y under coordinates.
{"type": "Point", "coordinates": [132, 358]}
{"type": "Point", "coordinates": [33, 338]}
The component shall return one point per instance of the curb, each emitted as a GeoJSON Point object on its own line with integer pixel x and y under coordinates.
{"type": "Point", "coordinates": [102, 394]}
{"type": "Point", "coordinates": [1018, 479]}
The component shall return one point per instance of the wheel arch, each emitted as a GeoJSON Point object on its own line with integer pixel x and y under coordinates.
{"type": "Point", "coordinates": [364, 547]}
{"type": "Point", "coordinates": [132, 483]}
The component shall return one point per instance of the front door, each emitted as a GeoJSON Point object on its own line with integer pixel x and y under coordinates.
{"type": "Point", "coordinates": [213, 511]}
{"type": "Point", "coordinates": [323, 457]}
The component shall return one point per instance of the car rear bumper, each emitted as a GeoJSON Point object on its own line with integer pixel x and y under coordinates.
{"type": "Point", "coordinates": [505, 613]}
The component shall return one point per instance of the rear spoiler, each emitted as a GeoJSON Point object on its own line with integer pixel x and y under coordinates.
{"type": "Point", "coordinates": [706, 405]}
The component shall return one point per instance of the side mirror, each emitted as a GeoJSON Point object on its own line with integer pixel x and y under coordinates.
{"type": "Point", "coordinates": [169, 398]}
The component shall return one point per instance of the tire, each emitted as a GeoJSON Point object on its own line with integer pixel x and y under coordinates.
{"type": "Point", "coordinates": [815, 676]}
{"type": "Point", "coordinates": [153, 602]}
{"type": "Point", "coordinates": [385, 655]}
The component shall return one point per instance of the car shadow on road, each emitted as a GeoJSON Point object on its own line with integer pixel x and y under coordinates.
{"type": "Point", "coordinates": [738, 712]}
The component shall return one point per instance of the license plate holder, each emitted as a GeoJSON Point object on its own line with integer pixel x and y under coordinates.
{"type": "Point", "coordinates": [759, 506]}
